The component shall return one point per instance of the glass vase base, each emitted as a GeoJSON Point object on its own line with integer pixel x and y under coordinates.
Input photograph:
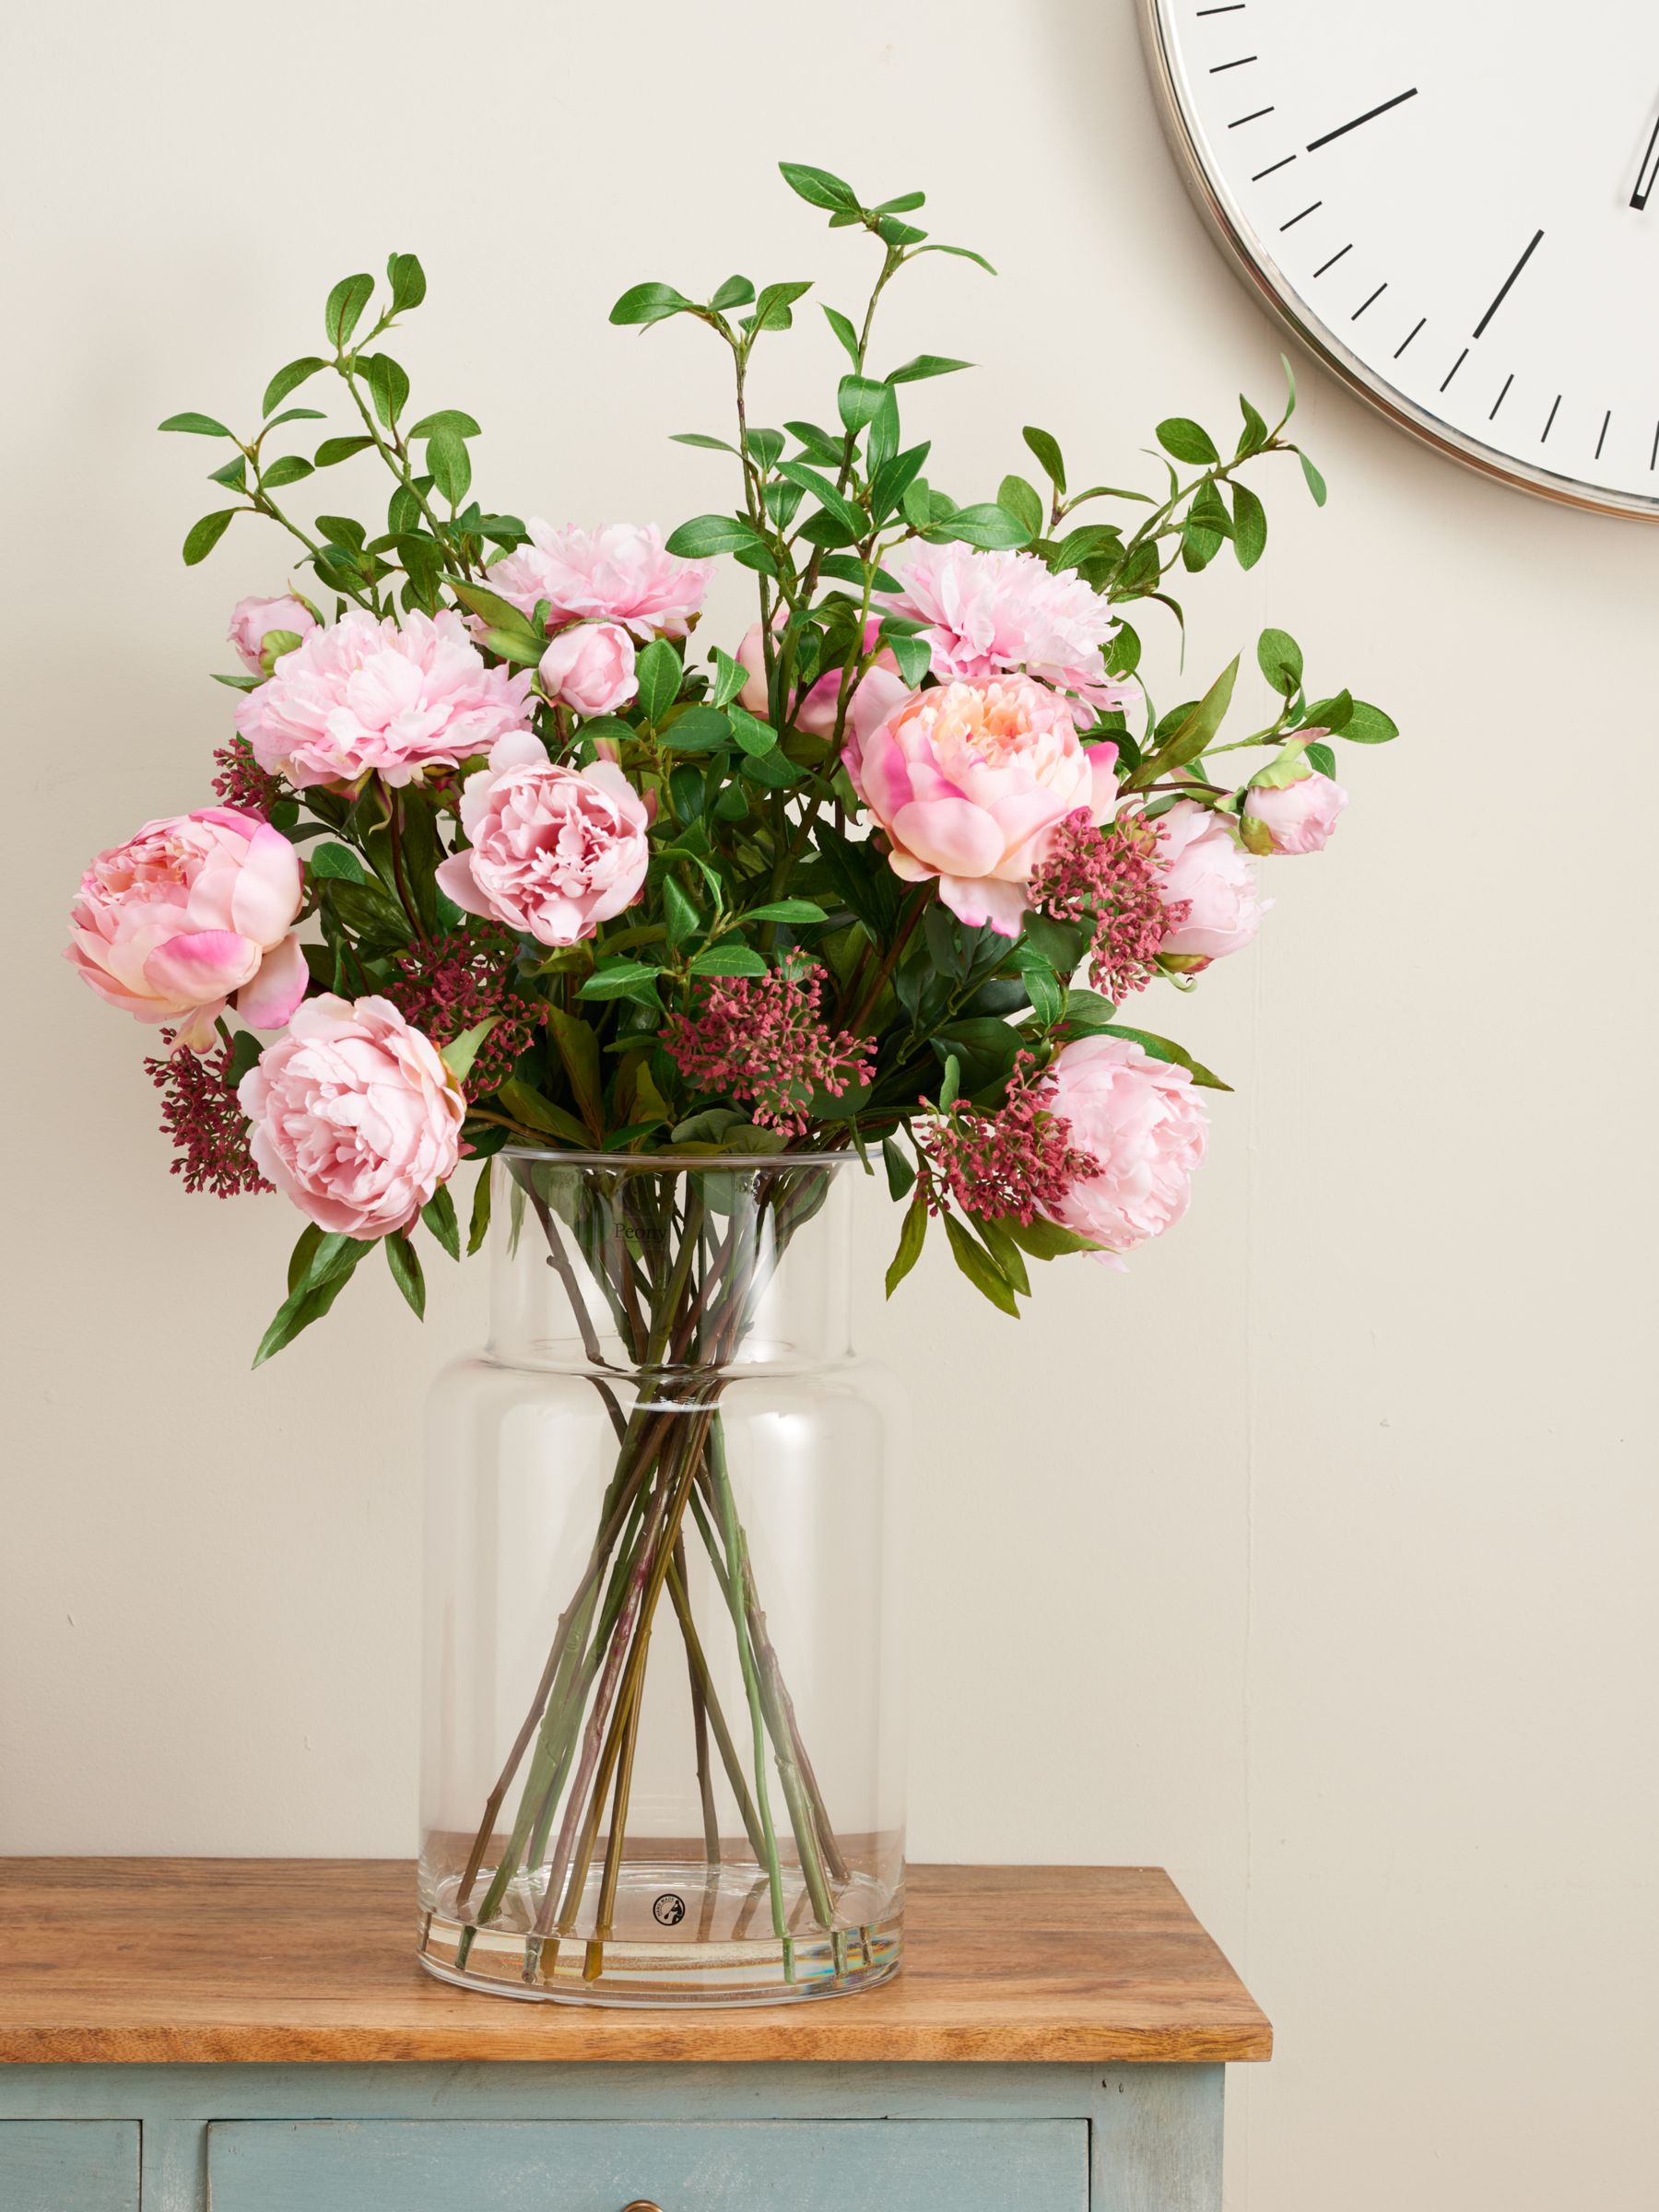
{"type": "Point", "coordinates": [680, 1935]}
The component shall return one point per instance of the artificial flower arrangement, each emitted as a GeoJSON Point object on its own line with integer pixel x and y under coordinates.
{"type": "Point", "coordinates": [506, 861]}
{"type": "Point", "coordinates": [573, 882]}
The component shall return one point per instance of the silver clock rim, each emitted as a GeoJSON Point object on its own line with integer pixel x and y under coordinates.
{"type": "Point", "coordinates": [1226, 224]}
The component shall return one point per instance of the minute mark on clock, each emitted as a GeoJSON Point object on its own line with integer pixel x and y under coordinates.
{"type": "Point", "coordinates": [1307, 210]}
{"type": "Point", "coordinates": [1233, 8]}
{"type": "Point", "coordinates": [1365, 303]}
{"type": "Point", "coordinates": [1411, 334]}
{"type": "Point", "coordinates": [1649, 170]}
{"type": "Point", "coordinates": [1457, 365]}
{"type": "Point", "coordinates": [1335, 258]}
{"type": "Point", "coordinates": [1369, 115]}
{"type": "Point", "coordinates": [1502, 395]}
{"type": "Point", "coordinates": [1260, 173]}
{"type": "Point", "coordinates": [1503, 289]}
{"type": "Point", "coordinates": [1549, 425]}
{"type": "Point", "coordinates": [1243, 62]}
{"type": "Point", "coordinates": [1255, 115]}
{"type": "Point", "coordinates": [1602, 440]}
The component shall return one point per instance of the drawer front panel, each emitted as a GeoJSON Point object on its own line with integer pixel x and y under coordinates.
{"type": "Point", "coordinates": [695, 2165]}
{"type": "Point", "coordinates": [69, 2165]}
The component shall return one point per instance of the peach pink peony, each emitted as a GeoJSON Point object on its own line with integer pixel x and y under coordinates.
{"type": "Point", "coordinates": [590, 669]}
{"type": "Point", "coordinates": [621, 574]}
{"type": "Point", "coordinates": [989, 614]}
{"type": "Point", "coordinates": [815, 715]}
{"type": "Point", "coordinates": [968, 780]}
{"type": "Point", "coordinates": [1141, 1124]}
{"type": "Point", "coordinates": [1299, 816]}
{"type": "Point", "coordinates": [253, 621]}
{"type": "Point", "coordinates": [196, 910]}
{"type": "Point", "coordinates": [1208, 870]}
{"type": "Point", "coordinates": [354, 1116]}
{"type": "Point", "coordinates": [554, 850]}
{"type": "Point", "coordinates": [365, 697]}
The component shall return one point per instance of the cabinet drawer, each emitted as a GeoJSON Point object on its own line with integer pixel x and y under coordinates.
{"type": "Point", "coordinates": [691, 2166]}
{"type": "Point", "coordinates": [69, 2165]}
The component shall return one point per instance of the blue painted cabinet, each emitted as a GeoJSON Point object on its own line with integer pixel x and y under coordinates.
{"type": "Point", "coordinates": [68, 2166]}
{"type": "Point", "coordinates": [695, 2165]}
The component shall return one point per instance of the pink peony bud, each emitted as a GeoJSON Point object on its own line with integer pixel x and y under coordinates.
{"type": "Point", "coordinates": [1140, 1122]}
{"type": "Point", "coordinates": [590, 669]}
{"type": "Point", "coordinates": [1207, 871]}
{"type": "Point", "coordinates": [1299, 816]}
{"type": "Point", "coordinates": [253, 621]}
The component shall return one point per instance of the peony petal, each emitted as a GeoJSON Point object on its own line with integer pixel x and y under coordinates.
{"type": "Point", "coordinates": [952, 835]}
{"type": "Point", "coordinates": [267, 891]}
{"type": "Point", "coordinates": [202, 964]}
{"type": "Point", "coordinates": [1103, 768]}
{"type": "Point", "coordinates": [268, 1001]}
{"type": "Point", "coordinates": [981, 899]}
{"type": "Point", "coordinates": [457, 882]}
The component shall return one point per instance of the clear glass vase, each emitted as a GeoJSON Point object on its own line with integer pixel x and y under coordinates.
{"type": "Point", "coordinates": [664, 1758]}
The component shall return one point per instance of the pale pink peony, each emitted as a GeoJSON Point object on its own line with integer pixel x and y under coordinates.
{"type": "Point", "coordinates": [365, 696]}
{"type": "Point", "coordinates": [195, 909]}
{"type": "Point", "coordinates": [253, 621]}
{"type": "Point", "coordinates": [1208, 870]}
{"type": "Point", "coordinates": [554, 850]}
{"type": "Point", "coordinates": [354, 1116]}
{"type": "Point", "coordinates": [590, 669]}
{"type": "Point", "coordinates": [621, 574]}
{"type": "Point", "coordinates": [1140, 1122]}
{"type": "Point", "coordinates": [989, 614]}
{"type": "Point", "coordinates": [969, 782]}
{"type": "Point", "coordinates": [1300, 816]}
{"type": "Point", "coordinates": [814, 715]}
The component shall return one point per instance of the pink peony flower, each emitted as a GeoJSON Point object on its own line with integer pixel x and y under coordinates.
{"type": "Point", "coordinates": [590, 669]}
{"type": "Point", "coordinates": [252, 621]}
{"type": "Point", "coordinates": [354, 1116]}
{"type": "Point", "coordinates": [1141, 1124]}
{"type": "Point", "coordinates": [1206, 870]}
{"type": "Point", "coordinates": [194, 911]}
{"type": "Point", "coordinates": [364, 697]}
{"type": "Point", "coordinates": [970, 780]}
{"type": "Point", "coordinates": [621, 574]}
{"type": "Point", "coordinates": [1301, 817]}
{"type": "Point", "coordinates": [815, 715]}
{"type": "Point", "coordinates": [554, 850]}
{"type": "Point", "coordinates": [989, 614]}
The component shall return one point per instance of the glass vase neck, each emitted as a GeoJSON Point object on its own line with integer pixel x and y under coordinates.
{"type": "Point", "coordinates": [670, 1264]}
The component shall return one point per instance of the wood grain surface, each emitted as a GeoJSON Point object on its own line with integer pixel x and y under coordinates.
{"type": "Point", "coordinates": [183, 1960]}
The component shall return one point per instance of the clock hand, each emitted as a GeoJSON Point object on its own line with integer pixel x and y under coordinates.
{"type": "Point", "coordinates": [1648, 172]}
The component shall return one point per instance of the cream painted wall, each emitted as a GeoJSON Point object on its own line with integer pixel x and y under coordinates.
{"type": "Point", "coordinates": [1316, 1556]}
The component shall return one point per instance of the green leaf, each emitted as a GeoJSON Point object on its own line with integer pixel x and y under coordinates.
{"type": "Point", "coordinates": [1083, 543]}
{"type": "Point", "coordinates": [478, 1227]}
{"type": "Point", "coordinates": [800, 910]}
{"type": "Point", "coordinates": [849, 517]}
{"type": "Point", "coordinates": [233, 475]}
{"type": "Point", "coordinates": [980, 1268]}
{"type": "Point", "coordinates": [1045, 991]}
{"type": "Point", "coordinates": [843, 331]}
{"type": "Point", "coordinates": [1045, 1239]}
{"type": "Point", "coordinates": [773, 768]}
{"type": "Point", "coordinates": [962, 253]}
{"type": "Point", "coordinates": [1279, 656]}
{"type": "Point", "coordinates": [288, 380]}
{"type": "Point", "coordinates": [858, 397]}
{"type": "Point", "coordinates": [1369, 725]}
{"type": "Point", "coordinates": [988, 526]}
{"type": "Point", "coordinates": [950, 1083]}
{"type": "Point", "coordinates": [288, 468]}
{"type": "Point", "coordinates": [439, 1214]}
{"type": "Point", "coordinates": [404, 1263]}
{"type": "Point", "coordinates": [773, 308]}
{"type": "Point", "coordinates": [407, 280]}
{"type": "Point", "coordinates": [1290, 387]}
{"type": "Point", "coordinates": [713, 446]}
{"type": "Point", "coordinates": [925, 364]}
{"type": "Point", "coordinates": [913, 1235]}
{"type": "Point", "coordinates": [680, 913]}
{"type": "Point", "coordinates": [1047, 450]}
{"type": "Point", "coordinates": [449, 463]}
{"type": "Point", "coordinates": [338, 862]}
{"type": "Point", "coordinates": [756, 737]}
{"type": "Point", "coordinates": [1316, 483]}
{"type": "Point", "coordinates": [707, 534]}
{"type": "Point", "coordinates": [1023, 501]}
{"type": "Point", "coordinates": [1173, 1055]}
{"type": "Point", "coordinates": [460, 1052]}
{"type": "Point", "coordinates": [618, 979]}
{"type": "Point", "coordinates": [447, 418]}
{"type": "Point", "coordinates": [648, 303]}
{"type": "Point", "coordinates": [529, 1107]}
{"type": "Point", "coordinates": [818, 188]}
{"type": "Point", "coordinates": [1005, 1253]}
{"type": "Point", "coordinates": [204, 426]}
{"type": "Point", "coordinates": [1254, 434]}
{"type": "Point", "coordinates": [901, 1175]}
{"type": "Point", "coordinates": [344, 309]}
{"type": "Point", "coordinates": [657, 671]}
{"type": "Point", "coordinates": [334, 450]}
{"type": "Point", "coordinates": [1181, 437]}
{"type": "Point", "coordinates": [699, 729]}
{"type": "Point", "coordinates": [516, 646]}
{"type": "Point", "coordinates": [727, 959]}
{"type": "Point", "coordinates": [579, 1050]}
{"type": "Point", "coordinates": [1322, 760]}
{"type": "Point", "coordinates": [736, 291]}
{"type": "Point", "coordinates": [500, 614]}
{"type": "Point", "coordinates": [1192, 736]}
{"type": "Point", "coordinates": [1250, 527]}
{"type": "Point", "coordinates": [326, 1273]}
{"type": "Point", "coordinates": [729, 679]}
{"type": "Point", "coordinates": [204, 536]}
{"type": "Point", "coordinates": [304, 1252]}
{"type": "Point", "coordinates": [1086, 1013]}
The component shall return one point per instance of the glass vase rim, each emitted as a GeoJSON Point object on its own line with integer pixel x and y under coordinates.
{"type": "Point", "coordinates": [682, 1163]}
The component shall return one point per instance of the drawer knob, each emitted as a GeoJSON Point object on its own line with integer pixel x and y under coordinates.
{"type": "Point", "coordinates": [641, 2204]}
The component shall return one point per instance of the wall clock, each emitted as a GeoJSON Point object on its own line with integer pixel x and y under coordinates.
{"type": "Point", "coordinates": [1464, 225]}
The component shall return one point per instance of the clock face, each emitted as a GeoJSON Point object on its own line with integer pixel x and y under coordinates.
{"type": "Point", "coordinates": [1457, 205]}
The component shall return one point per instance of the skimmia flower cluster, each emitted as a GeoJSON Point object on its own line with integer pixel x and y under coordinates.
{"type": "Point", "coordinates": [507, 851]}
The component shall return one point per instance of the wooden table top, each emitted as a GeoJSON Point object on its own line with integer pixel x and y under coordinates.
{"type": "Point", "coordinates": [182, 1960]}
